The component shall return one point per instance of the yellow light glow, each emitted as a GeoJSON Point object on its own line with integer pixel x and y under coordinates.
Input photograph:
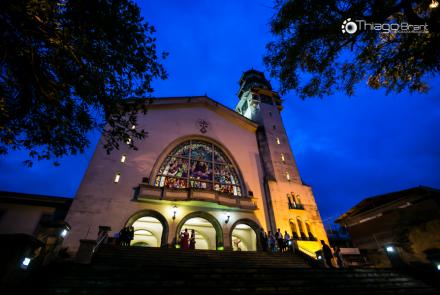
{"type": "Point", "coordinates": [288, 176]}
{"type": "Point", "coordinates": [309, 247]}
{"type": "Point", "coordinates": [434, 4]}
{"type": "Point", "coordinates": [282, 157]}
{"type": "Point", "coordinates": [278, 140]}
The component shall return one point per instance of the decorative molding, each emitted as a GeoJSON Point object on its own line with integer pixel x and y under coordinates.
{"type": "Point", "coordinates": [203, 125]}
{"type": "Point", "coordinates": [184, 194]}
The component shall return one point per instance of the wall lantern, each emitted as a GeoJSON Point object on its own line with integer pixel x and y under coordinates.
{"type": "Point", "coordinates": [228, 216]}
{"type": "Point", "coordinates": [174, 212]}
{"type": "Point", "coordinates": [63, 233]}
{"type": "Point", "coordinates": [25, 263]}
{"type": "Point", "coordinates": [390, 249]}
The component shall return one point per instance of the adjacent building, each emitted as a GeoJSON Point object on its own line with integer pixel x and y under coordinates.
{"type": "Point", "coordinates": [402, 227]}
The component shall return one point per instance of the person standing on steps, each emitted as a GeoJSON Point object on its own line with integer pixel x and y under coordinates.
{"type": "Point", "coordinates": [286, 241]}
{"type": "Point", "coordinates": [263, 239]}
{"type": "Point", "coordinates": [181, 240]}
{"type": "Point", "coordinates": [123, 237]}
{"type": "Point", "coordinates": [272, 242]}
{"type": "Point", "coordinates": [185, 239]}
{"type": "Point", "coordinates": [328, 255]}
{"type": "Point", "coordinates": [130, 235]}
{"type": "Point", "coordinates": [280, 240]}
{"type": "Point", "coordinates": [339, 258]}
{"type": "Point", "coordinates": [192, 240]}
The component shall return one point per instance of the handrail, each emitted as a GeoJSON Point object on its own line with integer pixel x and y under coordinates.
{"type": "Point", "coordinates": [99, 241]}
{"type": "Point", "coordinates": [308, 252]}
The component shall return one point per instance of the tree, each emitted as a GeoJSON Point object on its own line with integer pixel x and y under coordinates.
{"type": "Point", "coordinates": [68, 67]}
{"type": "Point", "coordinates": [313, 57]}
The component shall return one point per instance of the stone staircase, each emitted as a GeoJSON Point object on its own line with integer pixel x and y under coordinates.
{"type": "Point", "coordinates": [135, 270]}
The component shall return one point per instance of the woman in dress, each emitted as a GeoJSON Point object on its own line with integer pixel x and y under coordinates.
{"type": "Point", "coordinates": [192, 240]}
{"type": "Point", "coordinates": [185, 239]}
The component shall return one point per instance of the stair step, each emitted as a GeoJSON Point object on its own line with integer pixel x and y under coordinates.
{"type": "Point", "coordinates": [135, 270]}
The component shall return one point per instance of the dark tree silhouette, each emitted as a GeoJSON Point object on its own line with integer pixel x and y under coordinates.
{"type": "Point", "coordinates": [312, 56]}
{"type": "Point", "coordinates": [68, 67]}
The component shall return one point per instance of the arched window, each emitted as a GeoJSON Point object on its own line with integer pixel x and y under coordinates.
{"type": "Point", "coordinates": [199, 164]}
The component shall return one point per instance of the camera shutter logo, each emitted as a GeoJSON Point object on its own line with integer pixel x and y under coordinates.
{"type": "Point", "coordinates": [349, 27]}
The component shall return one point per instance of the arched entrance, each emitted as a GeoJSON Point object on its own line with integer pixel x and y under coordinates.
{"type": "Point", "coordinates": [209, 235]}
{"type": "Point", "coordinates": [293, 227]}
{"type": "Point", "coordinates": [150, 229]}
{"type": "Point", "coordinates": [244, 235]}
{"type": "Point", "coordinates": [301, 228]}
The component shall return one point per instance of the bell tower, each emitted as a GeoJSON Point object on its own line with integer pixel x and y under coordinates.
{"type": "Point", "coordinates": [259, 103]}
{"type": "Point", "coordinates": [290, 204]}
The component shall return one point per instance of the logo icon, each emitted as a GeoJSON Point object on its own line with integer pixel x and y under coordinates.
{"type": "Point", "coordinates": [349, 27]}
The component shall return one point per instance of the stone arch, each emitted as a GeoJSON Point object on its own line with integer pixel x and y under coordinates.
{"type": "Point", "coordinates": [301, 227]}
{"type": "Point", "coordinates": [158, 216]}
{"type": "Point", "coordinates": [309, 229]}
{"type": "Point", "coordinates": [294, 228]}
{"type": "Point", "coordinates": [175, 143]}
{"type": "Point", "coordinates": [252, 224]}
{"type": "Point", "coordinates": [208, 217]}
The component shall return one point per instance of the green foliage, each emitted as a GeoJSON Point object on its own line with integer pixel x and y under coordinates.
{"type": "Point", "coordinates": [68, 67]}
{"type": "Point", "coordinates": [312, 56]}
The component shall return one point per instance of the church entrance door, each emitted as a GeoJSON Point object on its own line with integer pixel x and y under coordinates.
{"type": "Point", "coordinates": [205, 234]}
{"type": "Point", "coordinates": [244, 238]}
{"type": "Point", "coordinates": [147, 232]}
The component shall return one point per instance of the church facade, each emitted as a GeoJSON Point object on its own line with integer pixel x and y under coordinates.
{"type": "Point", "coordinates": [223, 173]}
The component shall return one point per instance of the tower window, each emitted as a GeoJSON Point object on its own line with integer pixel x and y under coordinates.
{"type": "Point", "coordinates": [270, 114]}
{"type": "Point", "coordinates": [287, 176]}
{"type": "Point", "coordinates": [274, 127]}
{"type": "Point", "coordinates": [117, 176]}
{"type": "Point", "coordinates": [278, 140]}
{"type": "Point", "coordinates": [123, 158]}
{"type": "Point", "coordinates": [294, 201]}
{"type": "Point", "coordinates": [282, 158]}
{"type": "Point", "coordinates": [244, 107]}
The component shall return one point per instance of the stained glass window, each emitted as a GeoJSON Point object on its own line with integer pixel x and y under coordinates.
{"type": "Point", "coordinates": [199, 164]}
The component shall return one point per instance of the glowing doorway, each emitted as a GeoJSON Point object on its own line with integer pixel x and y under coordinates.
{"type": "Point", "coordinates": [204, 232]}
{"type": "Point", "coordinates": [244, 238]}
{"type": "Point", "coordinates": [147, 232]}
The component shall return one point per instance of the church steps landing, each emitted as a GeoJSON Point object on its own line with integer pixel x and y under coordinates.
{"type": "Point", "coordinates": [131, 270]}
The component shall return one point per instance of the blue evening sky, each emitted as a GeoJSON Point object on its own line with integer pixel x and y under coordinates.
{"type": "Point", "coordinates": [346, 148]}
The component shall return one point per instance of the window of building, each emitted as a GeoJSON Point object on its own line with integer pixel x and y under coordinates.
{"type": "Point", "coordinates": [283, 158]}
{"type": "Point", "coordinates": [117, 176]}
{"type": "Point", "coordinates": [274, 127]}
{"type": "Point", "coordinates": [294, 201]}
{"type": "Point", "coordinates": [123, 158]}
{"type": "Point", "coordinates": [244, 107]}
{"type": "Point", "coordinates": [288, 176]}
{"type": "Point", "coordinates": [309, 231]}
{"type": "Point", "coordinates": [278, 140]}
{"type": "Point", "coordinates": [270, 114]}
{"type": "Point", "coordinates": [128, 141]}
{"type": "Point", "coordinates": [201, 165]}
